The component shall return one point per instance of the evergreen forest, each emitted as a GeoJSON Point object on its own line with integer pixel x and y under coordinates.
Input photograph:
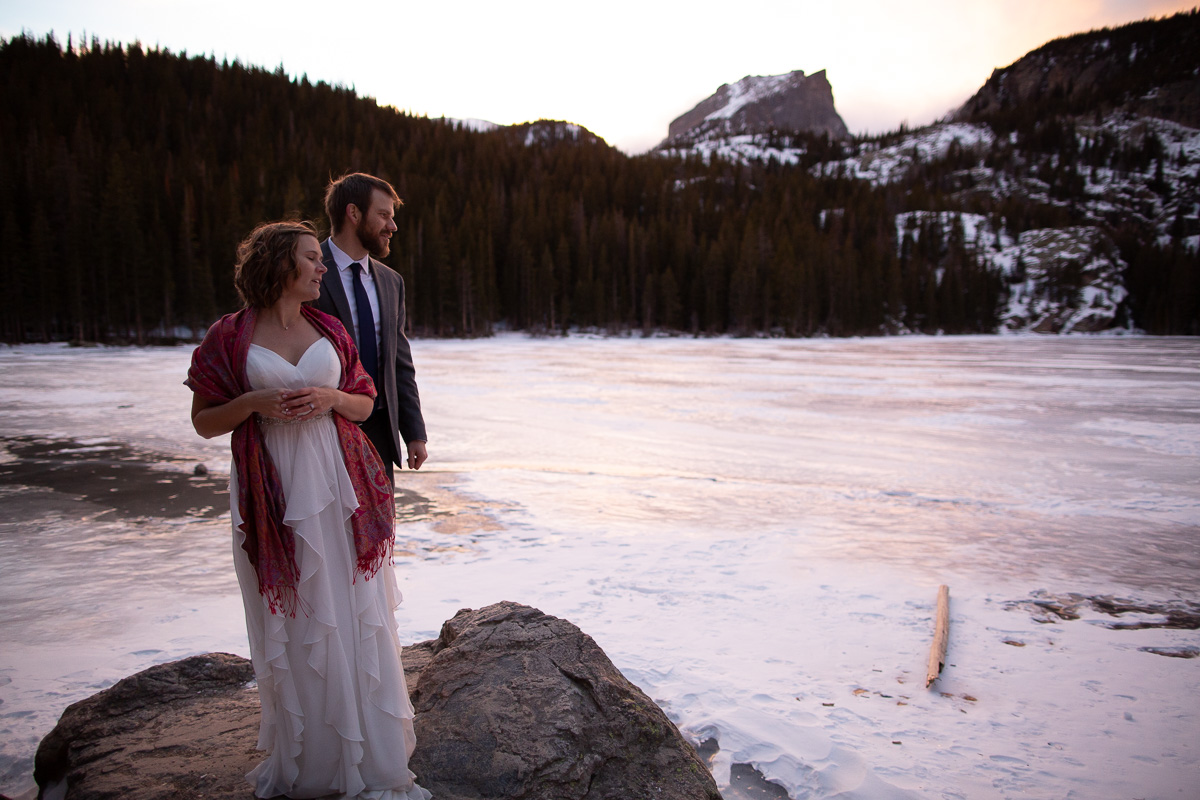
{"type": "Point", "coordinates": [129, 175]}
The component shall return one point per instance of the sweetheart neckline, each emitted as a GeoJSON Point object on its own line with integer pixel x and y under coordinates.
{"type": "Point", "coordinates": [281, 358]}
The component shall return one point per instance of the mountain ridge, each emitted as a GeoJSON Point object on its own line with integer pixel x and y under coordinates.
{"type": "Point", "coordinates": [1073, 175]}
{"type": "Point", "coordinates": [1149, 68]}
{"type": "Point", "coordinates": [770, 234]}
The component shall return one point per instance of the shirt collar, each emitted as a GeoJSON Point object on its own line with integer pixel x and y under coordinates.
{"type": "Point", "coordinates": [344, 261]}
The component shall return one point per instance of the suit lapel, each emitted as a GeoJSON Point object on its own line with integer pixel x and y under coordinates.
{"type": "Point", "coordinates": [331, 284]}
{"type": "Point", "coordinates": [389, 297]}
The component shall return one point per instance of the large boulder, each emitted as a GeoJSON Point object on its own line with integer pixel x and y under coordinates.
{"type": "Point", "coordinates": [511, 703]}
{"type": "Point", "coordinates": [515, 703]}
{"type": "Point", "coordinates": [178, 730]}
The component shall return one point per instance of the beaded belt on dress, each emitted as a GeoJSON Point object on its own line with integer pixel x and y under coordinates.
{"type": "Point", "coordinates": [273, 421]}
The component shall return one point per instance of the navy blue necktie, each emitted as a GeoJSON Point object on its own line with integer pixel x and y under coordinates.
{"type": "Point", "coordinates": [368, 351]}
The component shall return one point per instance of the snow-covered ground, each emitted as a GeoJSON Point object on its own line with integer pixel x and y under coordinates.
{"type": "Point", "coordinates": [753, 530]}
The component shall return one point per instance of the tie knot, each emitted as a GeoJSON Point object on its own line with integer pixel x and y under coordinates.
{"type": "Point", "coordinates": [356, 267]}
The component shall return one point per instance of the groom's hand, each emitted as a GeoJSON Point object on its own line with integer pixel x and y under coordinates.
{"type": "Point", "coordinates": [416, 454]}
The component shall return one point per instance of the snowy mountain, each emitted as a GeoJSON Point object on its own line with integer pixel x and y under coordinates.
{"type": "Point", "coordinates": [1119, 170]}
{"type": "Point", "coordinates": [758, 105]}
{"type": "Point", "coordinates": [1062, 169]}
{"type": "Point", "coordinates": [542, 132]}
{"type": "Point", "coordinates": [1137, 175]}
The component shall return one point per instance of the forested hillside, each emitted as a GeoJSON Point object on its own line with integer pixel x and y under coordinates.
{"type": "Point", "coordinates": [129, 175]}
{"type": "Point", "coordinates": [1073, 172]}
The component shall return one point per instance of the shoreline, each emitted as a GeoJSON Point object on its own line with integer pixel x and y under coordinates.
{"type": "Point", "coordinates": [638, 334]}
{"type": "Point", "coordinates": [121, 480]}
{"type": "Point", "coordinates": [106, 479]}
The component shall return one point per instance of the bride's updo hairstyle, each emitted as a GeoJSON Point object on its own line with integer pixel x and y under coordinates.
{"type": "Point", "coordinates": [266, 261]}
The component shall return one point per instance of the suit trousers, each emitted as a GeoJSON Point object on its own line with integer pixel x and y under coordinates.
{"type": "Point", "coordinates": [378, 428]}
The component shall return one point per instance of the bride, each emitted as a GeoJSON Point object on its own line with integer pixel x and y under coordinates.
{"type": "Point", "coordinates": [313, 516]}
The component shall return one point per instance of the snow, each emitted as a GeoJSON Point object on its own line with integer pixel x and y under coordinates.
{"type": "Point", "coordinates": [890, 164]}
{"type": "Point", "coordinates": [1112, 194]}
{"type": "Point", "coordinates": [742, 148]}
{"type": "Point", "coordinates": [750, 90]}
{"type": "Point", "coordinates": [1031, 303]}
{"type": "Point", "coordinates": [753, 530]}
{"type": "Point", "coordinates": [1095, 305]}
{"type": "Point", "coordinates": [477, 125]}
{"type": "Point", "coordinates": [542, 132]}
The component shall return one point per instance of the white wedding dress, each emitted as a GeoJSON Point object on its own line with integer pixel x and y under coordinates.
{"type": "Point", "coordinates": [336, 718]}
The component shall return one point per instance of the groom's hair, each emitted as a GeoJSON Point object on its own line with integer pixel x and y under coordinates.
{"type": "Point", "coordinates": [356, 188]}
{"type": "Point", "coordinates": [266, 261]}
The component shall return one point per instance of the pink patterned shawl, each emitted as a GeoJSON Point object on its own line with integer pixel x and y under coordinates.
{"type": "Point", "coordinates": [218, 375]}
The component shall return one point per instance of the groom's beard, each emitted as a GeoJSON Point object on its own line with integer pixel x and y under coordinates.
{"type": "Point", "coordinates": [375, 243]}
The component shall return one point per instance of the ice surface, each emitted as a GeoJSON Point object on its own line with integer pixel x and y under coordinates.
{"type": "Point", "coordinates": [754, 531]}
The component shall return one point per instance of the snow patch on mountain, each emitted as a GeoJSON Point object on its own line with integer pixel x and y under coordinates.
{"type": "Point", "coordinates": [544, 132]}
{"type": "Point", "coordinates": [477, 125]}
{"type": "Point", "coordinates": [1064, 280]}
{"type": "Point", "coordinates": [1164, 193]}
{"type": "Point", "coordinates": [743, 149]}
{"type": "Point", "coordinates": [882, 165]}
{"type": "Point", "coordinates": [751, 89]}
{"type": "Point", "coordinates": [1057, 280]}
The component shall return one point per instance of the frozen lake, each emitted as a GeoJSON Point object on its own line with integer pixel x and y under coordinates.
{"type": "Point", "coordinates": [753, 530]}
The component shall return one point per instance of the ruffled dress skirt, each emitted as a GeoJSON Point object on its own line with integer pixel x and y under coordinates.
{"type": "Point", "coordinates": [336, 718]}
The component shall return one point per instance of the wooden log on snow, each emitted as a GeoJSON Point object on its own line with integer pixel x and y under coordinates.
{"type": "Point", "coordinates": [941, 636]}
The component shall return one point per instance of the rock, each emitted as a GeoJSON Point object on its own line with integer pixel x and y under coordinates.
{"type": "Point", "coordinates": [1145, 67]}
{"type": "Point", "coordinates": [183, 729]}
{"type": "Point", "coordinates": [515, 703]}
{"type": "Point", "coordinates": [1071, 280]}
{"type": "Point", "coordinates": [511, 703]}
{"type": "Point", "coordinates": [763, 104]}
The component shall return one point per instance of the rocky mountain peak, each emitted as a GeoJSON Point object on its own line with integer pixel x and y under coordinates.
{"type": "Point", "coordinates": [763, 104]}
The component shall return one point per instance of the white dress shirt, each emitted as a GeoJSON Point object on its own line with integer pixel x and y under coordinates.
{"type": "Point", "coordinates": [343, 262]}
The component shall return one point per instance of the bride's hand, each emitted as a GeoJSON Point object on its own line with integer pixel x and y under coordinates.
{"type": "Point", "coordinates": [309, 401]}
{"type": "Point", "coordinates": [313, 400]}
{"type": "Point", "coordinates": [268, 403]}
{"type": "Point", "coordinates": [214, 419]}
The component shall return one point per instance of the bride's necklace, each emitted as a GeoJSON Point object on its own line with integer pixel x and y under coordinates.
{"type": "Point", "coordinates": [289, 325]}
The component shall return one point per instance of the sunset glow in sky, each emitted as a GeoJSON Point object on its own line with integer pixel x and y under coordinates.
{"type": "Point", "coordinates": [622, 69]}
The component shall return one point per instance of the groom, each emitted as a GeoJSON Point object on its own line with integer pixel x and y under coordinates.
{"type": "Point", "coordinates": [368, 297]}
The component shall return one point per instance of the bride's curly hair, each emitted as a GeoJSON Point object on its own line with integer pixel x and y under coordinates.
{"type": "Point", "coordinates": [266, 261]}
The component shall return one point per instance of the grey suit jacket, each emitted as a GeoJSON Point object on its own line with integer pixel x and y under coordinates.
{"type": "Point", "coordinates": [398, 378]}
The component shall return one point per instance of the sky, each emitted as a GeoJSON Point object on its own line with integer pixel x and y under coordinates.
{"type": "Point", "coordinates": [623, 69]}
